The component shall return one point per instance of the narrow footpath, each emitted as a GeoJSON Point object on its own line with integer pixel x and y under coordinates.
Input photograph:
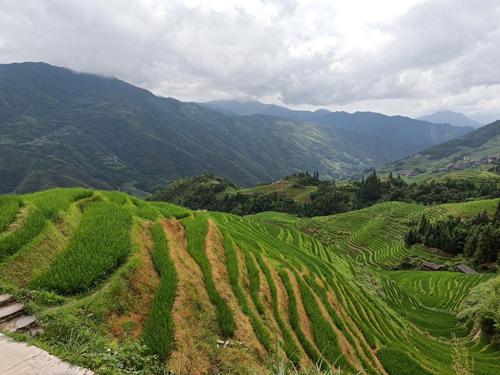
{"type": "Point", "coordinates": [17, 358]}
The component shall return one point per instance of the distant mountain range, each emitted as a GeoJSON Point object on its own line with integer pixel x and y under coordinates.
{"type": "Point", "coordinates": [452, 118]}
{"type": "Point", "coordinates": [61, 128]}
{"type": "Point", "coordinates": [408, 133]}
{"type": "Point", "coordinates": [477, 149]}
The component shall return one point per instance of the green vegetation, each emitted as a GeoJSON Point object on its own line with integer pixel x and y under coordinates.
{"type": "Point", "coordinates": [308, 291]}
{"type": "Point", "coordinates": [92, 144]}
{"type": "Point", "coordinates": [9, 206]}
{"type": "Point", "coordinates": [478, 149]}
{"type": "Point", "coordinates": [308, 196]}
{"type": "Point", "coordinates": [481, 306]}
{"type": "Point", "coordinates": [13, 241]}
{"type": "Point", "coordinates": [100, 245]}
{"type": "Point", "coordinates": [294, 320]}
{"type": "Point", "coordinates": [196, 230]}
{"type": "Point", "coordinates": [159, 327]}
{"type": "Point", "coordinates": [477, 237]}
{"type": "Point", "coordinates": [232, 268]}
{"type": "Point", "coordinates": [397, 362]}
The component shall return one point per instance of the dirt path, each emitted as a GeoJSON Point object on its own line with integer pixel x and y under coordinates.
{"type": "Point", "coordinates": [252, 352]}
{"type": "Point", "coordinates": [142, 286]}
{"type": "Point", "coordinates": [18, 358]}
{"type": "Point", "coordinates": [194, 316]}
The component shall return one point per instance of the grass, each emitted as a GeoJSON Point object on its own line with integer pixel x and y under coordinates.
{"type": "Point", "coordinates": [9, 206]}
{"type": "Point", "coordinates": [397, 362]}
{"type": "Point", "coordinates": [233, 271]}
{"type": "Point", "coordinates": [52, 203]}
{"type": "Point", "coordinates": [289, 344]}
{"type": "Point", "coordinates": [158, 332]}
{"type": "Point", "coordinates": [13, 241]}
{"type": "Point", "coordinates": [196, 230]}
{"type": "Point", "coordinates": [100, 245]}
{"type": "Point", "coordinates": [337, 267]}
{"type": "Point", "coordinates": [254, 281]}
{"type": "Point", "coordinates": [323, 334]}
{"type": "Point", "coordinates": [294, 319]}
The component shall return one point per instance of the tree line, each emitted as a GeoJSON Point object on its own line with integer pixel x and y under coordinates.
{"type": "Point", "coordinates": [330, 197]}
{"type": "Point", "coordinates": [477, 237]}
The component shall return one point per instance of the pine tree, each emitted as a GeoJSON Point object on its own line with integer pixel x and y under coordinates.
{"type": "Point", "coordinates": [486, 247]}
{"type": "Point", "coordinates": [496, 218]}
{"type": "Point", "coordinates": [471, 243]}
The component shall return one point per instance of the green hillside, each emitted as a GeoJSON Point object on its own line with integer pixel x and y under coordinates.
{"type": "Point", "coordinates": [477, 150]}
{"type": "Point", "coordinates": [121, 285]}
{"type": "Point", "coordinates": [62, 128]}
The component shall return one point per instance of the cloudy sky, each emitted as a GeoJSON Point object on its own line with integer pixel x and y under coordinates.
{"type": "Point", "coordinates": [407, 57]}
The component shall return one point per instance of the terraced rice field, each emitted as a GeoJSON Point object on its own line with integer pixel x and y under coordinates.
{"type": "Point", "coordinates": [211, 292]}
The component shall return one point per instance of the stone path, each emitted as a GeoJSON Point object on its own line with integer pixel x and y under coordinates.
{"type": "Point", "coordinates": [18, 358]}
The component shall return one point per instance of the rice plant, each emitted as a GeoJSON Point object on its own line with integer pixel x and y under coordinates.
{"type": "Point", "coordinates": [196, 230]}
{"type": "Point", "coordinates": [233, 271]}
{"type": "Point", "coordinates": [294, 319]}
{"type": "Point", "coordinates": [158, 332]}
{"type": "Point", "coordinates": [9, 206]}
{"type": "Point", "coordinates": [32, 226]}
{"type": "Point", "coordinates": [99, 246]}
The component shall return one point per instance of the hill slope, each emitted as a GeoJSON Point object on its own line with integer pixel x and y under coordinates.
{"type": "Point", "coordinates": [403, 134]}
{"type": "Point", "coordinates": [452, 118]}
{"type": "Point", "coordinates": [477, 149]}
{"type": "Point", "coordinates": [61, 128]}
{"type": "Point", "coordinates": [258, 284]}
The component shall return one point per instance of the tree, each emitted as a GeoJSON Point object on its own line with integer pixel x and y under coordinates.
{"type": "Point", "coordinates": [471, 243]}
{"type": "Point", "coordinates": [496, 218]}
{"type": "Point", "coordinates": [486, 247]}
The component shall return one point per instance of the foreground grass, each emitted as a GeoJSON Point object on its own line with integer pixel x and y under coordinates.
{"type": "Point", "coordinates": [9, 206]}
{"type": "Point", "coordinates": [196, 231]}
{"type": "Point", "coordinates": [13, 241]}
{"type": "Point", "coordinates": [158, 332]}
{"type": "Point", "coordinates": [100, 244]}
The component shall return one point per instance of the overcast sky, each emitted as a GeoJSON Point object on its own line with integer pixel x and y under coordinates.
{"type": "Point", "coordinates": [407, 57]}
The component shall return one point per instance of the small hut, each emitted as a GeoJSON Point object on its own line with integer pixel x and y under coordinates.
{"type": "Point", "coordinates": [429, 266]}
{"type": "Point", "coordinates": [465, 269]}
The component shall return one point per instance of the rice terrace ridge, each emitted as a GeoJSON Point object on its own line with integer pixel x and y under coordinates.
{"type": "Point", "coordinates": [250, 188]}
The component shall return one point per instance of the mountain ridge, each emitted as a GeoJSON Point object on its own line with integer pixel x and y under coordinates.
{"type": "Point", "coordinates": [64, 128]}
{"type": "Point", "coordinates": [450, 117]}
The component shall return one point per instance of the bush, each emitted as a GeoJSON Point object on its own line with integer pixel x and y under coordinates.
{"type": "Point", "coordinates": [482, 305]}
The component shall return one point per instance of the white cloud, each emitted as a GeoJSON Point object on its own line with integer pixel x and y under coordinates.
{"type": "Point", "coordinates": [394, 56]}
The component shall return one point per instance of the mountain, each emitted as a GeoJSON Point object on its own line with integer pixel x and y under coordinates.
{"type": "Point", "coordinates": [452, 118]}
{"type": "Point", "coordinates": [124, 286]}
{"type": "Point", "coordinates": [403, 132]}
{"type": "Point", "coordinates": [63, 128]}
{"type": "Point", "coordinates": [477, 149]}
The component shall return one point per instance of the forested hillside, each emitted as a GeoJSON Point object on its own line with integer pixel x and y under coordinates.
{"type": "Point", "coordinates": [403, 134]}
{"type": "Point", "coordinates": [479, 149]}
{"type": "Point", "coordinates": [62, 128]}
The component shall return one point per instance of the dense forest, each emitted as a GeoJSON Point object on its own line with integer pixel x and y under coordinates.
{"type": "Point", "coordinates": [477, 238]}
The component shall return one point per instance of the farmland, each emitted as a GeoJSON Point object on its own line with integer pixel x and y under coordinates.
{"type": "Point", "coordinates": [122, 285]}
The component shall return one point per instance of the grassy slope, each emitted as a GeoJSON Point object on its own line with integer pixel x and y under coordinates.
{"type": "Point", "coordinates": [298, 193]}
{"type": "Point", "coordinates": [295, 293]}
{"type": "Point", "coordinates": [480, 143]}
